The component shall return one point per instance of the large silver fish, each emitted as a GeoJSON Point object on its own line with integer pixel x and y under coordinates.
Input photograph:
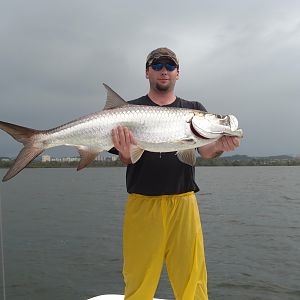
{"type": "Point", "coordinates": [155, 128]}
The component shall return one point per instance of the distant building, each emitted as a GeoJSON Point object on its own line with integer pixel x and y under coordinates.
{"type": "Point", "coordinates": [103, 156]}
{"type": "Point", "coordinates": [100, 157]}
{"type": "Point", "coordinates": [56, 159]}
{"type": "Point", "coordinates": [5, 159]}
{"type": "Point", "coordinates": [70, 159]}
{"type": "Point", "coordinates": [46, 158]}
{"type": "Point", "coordinates": [114, 157]}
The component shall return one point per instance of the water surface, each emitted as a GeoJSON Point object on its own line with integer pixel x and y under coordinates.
{"type": "Point", "coordinates": [63, 233]}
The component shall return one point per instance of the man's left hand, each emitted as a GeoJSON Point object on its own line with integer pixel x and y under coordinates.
{"type": "Point", "coordinates": [227, 143]}
{"type": "Point", "coordinates": [223, 144]}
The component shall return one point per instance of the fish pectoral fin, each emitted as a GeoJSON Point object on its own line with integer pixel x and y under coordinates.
{"type": "Point", "coordinates": [135, 153]}
{"type": "Point", "coordinates": [187, 156]}
{"type": "Point", "coordinates": [86, 157]}
{"type": "Point", "coordinates": [187, 141]}
{"type": "Point", "coordinates": [113, 100]}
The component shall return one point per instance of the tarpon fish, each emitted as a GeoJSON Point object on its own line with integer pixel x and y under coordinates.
{"type": "Point", "coordinates": [155, 128]}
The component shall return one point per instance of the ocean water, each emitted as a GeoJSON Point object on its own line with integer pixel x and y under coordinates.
{"type": "Point", "coordinates": [62, 233]}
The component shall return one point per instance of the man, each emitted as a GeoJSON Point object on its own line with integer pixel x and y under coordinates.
{"type": "Point", "coordinates": [162, 221]}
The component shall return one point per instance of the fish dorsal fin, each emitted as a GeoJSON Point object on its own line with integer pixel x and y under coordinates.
{"type": "Point", "coordinates": [187, 156]}
{"type": "Point", "coordinates": [113, 100]}
{"type": "Point", "coordinates": [135, 153]}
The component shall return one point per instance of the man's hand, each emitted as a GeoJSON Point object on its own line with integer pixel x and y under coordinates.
{"type": "Point", "coordinates": [122, 139]}
{"type": "Point", "coordinates": [227, 143]}
{"type": "Point", "coordinates": [223, 144]}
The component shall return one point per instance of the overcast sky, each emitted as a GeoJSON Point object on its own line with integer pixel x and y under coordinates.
{"type": "Point", "coordinates": [239, 56]}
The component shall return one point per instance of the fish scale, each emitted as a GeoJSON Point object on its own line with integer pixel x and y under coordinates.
{"type": "Point", "coordinates": [144, 121]}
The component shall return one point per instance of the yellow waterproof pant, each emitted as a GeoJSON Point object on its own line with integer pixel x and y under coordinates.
{"type": "Point", "coordinates": [160, 229]}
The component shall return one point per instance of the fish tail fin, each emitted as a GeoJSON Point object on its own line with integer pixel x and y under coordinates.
{"type": "Point", "coordinates": [19, 133]}
{"type": "Point", "coordinates": [30, 151]}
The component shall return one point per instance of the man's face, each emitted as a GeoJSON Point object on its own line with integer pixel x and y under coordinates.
{"type": "Point", "coordinates": [162, 80]}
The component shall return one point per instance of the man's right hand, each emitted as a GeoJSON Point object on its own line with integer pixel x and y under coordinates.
{"type": "Point", "coordinates": [122, 138]}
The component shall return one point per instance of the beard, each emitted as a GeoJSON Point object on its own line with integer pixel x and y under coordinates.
{"type": "Point", "coordinates": [162, 88]}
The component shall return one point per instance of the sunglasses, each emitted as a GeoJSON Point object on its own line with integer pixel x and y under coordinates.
{"type": "Point", "coordinates": [158, 67]}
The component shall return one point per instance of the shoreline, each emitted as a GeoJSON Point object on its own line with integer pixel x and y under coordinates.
{"type": "Point", "coordinates": [219, 162]}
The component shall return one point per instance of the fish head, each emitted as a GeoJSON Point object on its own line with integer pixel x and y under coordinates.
{"type": "Point", "coordinates": [213, 126]}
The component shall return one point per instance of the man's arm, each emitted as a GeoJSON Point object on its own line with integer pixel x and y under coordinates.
{"type": "Point", "coordinates": [223, 144]}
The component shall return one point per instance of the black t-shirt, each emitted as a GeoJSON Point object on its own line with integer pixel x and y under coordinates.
{"type": "Point", "coordinates": [157, 174]}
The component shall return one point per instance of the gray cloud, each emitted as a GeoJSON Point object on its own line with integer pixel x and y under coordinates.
{"type": "Point", "coordinates": [237, 57]}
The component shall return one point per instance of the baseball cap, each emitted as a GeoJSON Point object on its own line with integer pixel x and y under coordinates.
{"type": "Point", "coordinates": [159, 53]}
